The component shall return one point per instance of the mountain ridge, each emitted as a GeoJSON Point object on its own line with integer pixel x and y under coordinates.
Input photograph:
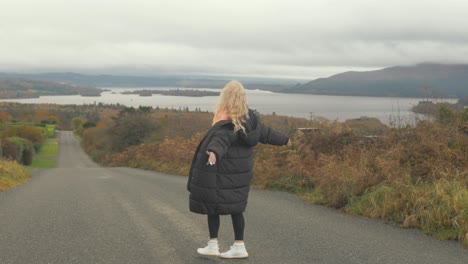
{"type": "Point", "coordinates": [421, 80]}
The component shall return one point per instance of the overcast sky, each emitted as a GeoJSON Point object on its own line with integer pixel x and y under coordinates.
{"type": "Point", "coordinates": [275, 38]}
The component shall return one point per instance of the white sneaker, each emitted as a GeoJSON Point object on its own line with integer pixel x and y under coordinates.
{"type": "Point", "coordinates": [212, 249]}
{"type": "Point", "coordinates": [237, 250]}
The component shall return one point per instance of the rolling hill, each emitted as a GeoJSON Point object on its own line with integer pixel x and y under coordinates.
{"type": "Point", "coordinates": [422, 80]}
{"type": "Point", "coordinates": [427, 80]}
{"type": "Point", "coordinates": [108, 80]}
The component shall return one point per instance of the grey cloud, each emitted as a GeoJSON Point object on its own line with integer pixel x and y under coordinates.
{"type": "Point", "coordinates": [297, 38]}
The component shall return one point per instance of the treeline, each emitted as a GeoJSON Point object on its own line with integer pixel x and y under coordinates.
{"type": "Point", "coordinates": [174, 92]}
{"type": "Point", "coordinates": [26, 88]}
{"type": "Point", "coordinates": [61, 115]}
{"type": "Point", "coordinates": [437, 108]}
{"type": "Point", "coordinates": [153, 81]}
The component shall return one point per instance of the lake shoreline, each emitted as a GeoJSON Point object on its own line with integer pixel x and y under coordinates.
{"type": "Point", "coordinates": [306, 106]}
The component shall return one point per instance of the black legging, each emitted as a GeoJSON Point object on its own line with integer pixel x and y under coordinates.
{"type": "Point", "coordinates": [238, 224]}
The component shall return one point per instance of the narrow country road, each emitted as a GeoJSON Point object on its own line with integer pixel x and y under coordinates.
{"type": "Point", "coordinates": [82, 213]}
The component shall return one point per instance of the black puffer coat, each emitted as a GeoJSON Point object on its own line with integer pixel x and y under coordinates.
{"type": "Point", "coordinates": [223, 188]}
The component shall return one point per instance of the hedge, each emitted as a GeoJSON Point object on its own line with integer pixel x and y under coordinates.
{"type": "Point", "coordinates": [19, 149]}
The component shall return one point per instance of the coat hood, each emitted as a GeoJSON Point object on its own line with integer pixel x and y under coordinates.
{"type": "Point", "coordinates": [252, 129]}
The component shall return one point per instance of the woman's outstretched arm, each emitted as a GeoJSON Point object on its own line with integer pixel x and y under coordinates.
{"type": "Point", "coordinates": [273, 137]}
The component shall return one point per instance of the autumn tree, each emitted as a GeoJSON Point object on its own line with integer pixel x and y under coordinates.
{"type": "Point", "coordinates": [78, 122]}
{"type": "Point", "coordinates": [132, 127]}
{"type": "Point", "coordinates": [33, 134]}
{"type": "Point", "coordinates": [4, 117]}
{"type": "Point", "coordinates": [45, 117]}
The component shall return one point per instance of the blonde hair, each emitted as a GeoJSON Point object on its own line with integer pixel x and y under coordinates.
{"type": "Point", "coordinates": [233, 102]}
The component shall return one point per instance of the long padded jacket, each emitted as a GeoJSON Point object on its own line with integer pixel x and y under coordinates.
{"type": "Point", "coordinates": [223, 188]}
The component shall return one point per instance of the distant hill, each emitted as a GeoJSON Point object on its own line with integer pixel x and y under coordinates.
{"type": "Point", "coordinates": [422, 80]}
{"type": "Point", "coordinates": [97, 80]}
{"type": "Point", "coordinates": [26, 88]}
{"type": "Point", "coordinates": [105, 80]}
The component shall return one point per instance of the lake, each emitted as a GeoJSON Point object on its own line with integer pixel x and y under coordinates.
{"type": "Point", "coordinates": [297, 105]}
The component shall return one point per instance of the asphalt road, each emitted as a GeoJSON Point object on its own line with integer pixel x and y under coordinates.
{"type": "Point", "coordinates": [82, 213]}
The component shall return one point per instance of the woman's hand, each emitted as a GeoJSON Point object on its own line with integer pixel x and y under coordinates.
{"type": "Point", "coordinates": [211, 158]}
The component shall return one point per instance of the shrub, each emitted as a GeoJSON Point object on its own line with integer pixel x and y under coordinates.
{"type": "Point", "coordinates": [131, 128]}
{"type": "Point", "coordinates": [170, 155]}
{"type": "Point", "coordinates": [96, 142]}
{"type": "Point", "coordinates": [11, 174]}
{"type": "Point", "coordinates": [28, 152]}
{"type": "Point", "coordinates": [21, 150]}
{"type": "Point", "coordinates": [446, 115]}
{"type": "Point", "coordinates": [78, 122]}
{"type": "Point", "coordinates": [439, 208]}
{"type": "Point", "coordinates": [464, 115]}
{"type": "Point", "coordinates": [9, 150]}
{"type": "Point", "coordinates": [366, 126]}
{"type": "Point", "coordinates": [89, 124]}
{"type": "Point", "coordinates": [33, 134]}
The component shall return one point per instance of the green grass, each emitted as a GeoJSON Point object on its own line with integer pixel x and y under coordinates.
{"type": "Point", "coordinates": [43, 163]}
{"type": "Point", "coordinates": [45, 158]}
{"type": "Point", "coordinates": [49, 149]}
{"type": "Point", "coordinates": [50, 130]}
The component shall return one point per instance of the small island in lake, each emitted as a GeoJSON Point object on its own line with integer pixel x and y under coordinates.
{"type": "Point", "coordinates": [176, 92]}
{"type": "Point", "coordinates": [434, 108]}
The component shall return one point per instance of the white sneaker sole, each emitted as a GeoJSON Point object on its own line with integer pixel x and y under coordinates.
{"type": "Point", "coordinates": [234, 256]}
{"type": "Point", "coordinates": [208, 254]}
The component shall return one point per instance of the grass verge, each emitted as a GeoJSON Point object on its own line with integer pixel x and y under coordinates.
{"type": "Point", "coordinates": [43, 163]}
{"type": "Point", "coordinates": [45, 158]}
{"type": "Point", "coordinates": [12, 174]}
{"type": "Point", "coordinates": [438, 208]}
{"type": "Point", "coordinates": [49, 149]}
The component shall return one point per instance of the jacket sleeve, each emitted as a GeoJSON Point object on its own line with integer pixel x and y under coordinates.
{"type": "Point", "coordinates": [273, 137]}
{"type": "Point", "coordinates": [220, 142]}
{"type": "Point", "coordinates": [188, 182]}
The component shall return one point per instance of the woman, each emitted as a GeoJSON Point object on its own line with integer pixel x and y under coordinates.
{"type": "Point", "coordinates": [221, 170]}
